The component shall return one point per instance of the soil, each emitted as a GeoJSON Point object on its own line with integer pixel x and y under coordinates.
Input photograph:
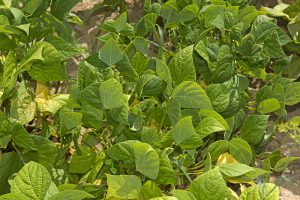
{"type": "Point", "coordinates": [87, 34]}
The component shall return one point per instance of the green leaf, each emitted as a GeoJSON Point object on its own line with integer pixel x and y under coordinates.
{"type": "Point", "coordinates": [190, 95]}
{"type": "Point", "coordinates": [291, 93]}
{"type": "Point", "coordinates": [10, 163]}
{"type": "Point", "coordinates": [217, 148]}
{"type": "Point", "coordinates": [247, 15]}
{"type": "Point", "coordinates": [234, 169]}
{"type": "Point", "coordinates": [21, 137]}
{"type": "Point", "coordinates": [69, 119]}
{"type": "Point", "coordinates": [61, 7]}
{"type": "Point", "coordinates": [267, 191]}
{"type": "Point", "coordinates": [150, 190]}
{"type": "Point", "coordinates": [37, 187]}
{"type": "Point", "coordinates": [123, 151]}
{"type": "Point", "coordinates": [183, 130]}
{"type": "Point", "coordinates": [210, 186]}
{"type": "Point", "coordinates": [268, 105]}
{"type": "Point", "coordinates": [111, 92]}
{"type": "Point", "coordinates": [91, 96]}
{"type": "Point", "coordinates": [120, 22]}
{"type": "Point", "coordinates": [240, 150]}
{"type": "Point", "coordinates": [80, 164]}
{"type": "Point", "coordinates": [110, 53]}
{"type": "Point", "coordinates": [145, 24]}
{"type": "Point", "coordinates": [189, 12]}
{"type": "Point", "coordinates": [183, 195]}
{"type": "Point", "coordinates": [166, 174]}
{"type": "Point", "coordinates": [283, 163]}
{"type": "Point", "coordinates": [72, 195]}
{"type": "Point", "coordinates": [146, 160]}
{"type": "Point", "coordinates": [31, 6]}
{"type": "Point", "coordinates": [253, 128]}
{"type": "Point", "coordinates": [141, 45]}
{"type": "Point", "coordinates": [182, 66]}
{"type": "Point", "coordinates": [50, 67]}
{"type": "Point", "coordinates": [123, 186]}
{"type": "Point", "coordinates": [91, 116]}
{"type": "Point", "coordinates": [169, 12]}
{"type": "Point", "coordinates": [164, 73]}
{"type": "Point", "coordinates": [208, 126]}
{"type": "Point", "coordinates": [23, 108]}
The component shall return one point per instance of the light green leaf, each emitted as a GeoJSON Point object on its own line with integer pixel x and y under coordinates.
{"type": "Point", "coordinates": [253, 128]}
{"type": "Point", "coordinates": [72, 195]}
{"type": "Point", "coordinates": [240, 150]}
{"type": "Point", "coordinates": [166, 174]}
{"type": "Point", "coordinates": [292, 95]}
{"type": "Point", "coordinates": [183, 195]}
{"type": "Point", "coordinates": [69, 119]}
{"type": "Point", "coordinates": [189, 12]}
{"type": "Point", "coordinates": [210, 186]}
{"type": "Point", "coordinates": [23, 108]}
{"type": "Point", "coordinates": [91, 116]}
{"type": "Point", "coordinates": [217, 148]}
{"type": "Point", "coordinates": [120, 22]}
{"type": "Point", "coordinates": [190, 95]}
{"type": "Point", "coordinates": [208, 126]}
{"type": "Point", "coordinates": [146, 160]}
{"type": "Point", "coordinates": [164, 73]}
{"type": "Point", "coordinates": [150, 190]}
{"type": "Point", "coordinates": [111, 92]}
{"type": "Point", "coordinates": [283, 163]}
{"type": "Point", "coordinates": [267, 191]}
{"type": "Point", "coordinates": [268, 105]}
{"type": "Point", "coordinates": [33, 182]}
{"type": "Point", "coordinates": [146, 24]}
{"type": "Point", "coordinates": [234, 169]}
{"type": "Point", "coordinates": [80, 164]}
{"type": "Point", "coordinates": [169, 12]}
{"type": "Point", "coordinates": [141, 45]}
{"type": "Point", "coordinates": [110, 53]}
{"type": "Point", "coordinates": [31, 6]}
{"type": "Point", "coordinates": [123, 186]}
{"type": "Point", "coordinates": [183, 130]}
{"type": "Point", "coordinates": [182, 66]}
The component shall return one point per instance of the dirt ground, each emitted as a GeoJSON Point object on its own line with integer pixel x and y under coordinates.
{"type": "Point", "coordinates": [87, 36]}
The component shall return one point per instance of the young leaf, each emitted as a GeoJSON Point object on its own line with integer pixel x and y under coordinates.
{"type": "Point", "coordinates": [123, 186]}
{"type": "Point", "coordinates": [183, 130]}
{"type": "Point", "coordinates": [210, 186]}
{"type": "Point", "coordinates": [37, 187]}
{"type": "Point", "coordinates": [110, 53]}
{"type": "Point", "coordinates": [111, 92]}
{"type": "Point", "coordinates": [268, 105]}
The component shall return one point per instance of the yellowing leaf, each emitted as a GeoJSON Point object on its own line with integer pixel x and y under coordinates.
{"type": "Point", "coordinates": [226, 158]}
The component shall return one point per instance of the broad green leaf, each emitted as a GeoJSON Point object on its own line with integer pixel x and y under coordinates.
{"type": "Point", "coordinates": [190, 95]}
{"type": "Point", "coordinates": [166, 174]}
{"type": "Point", "coordinates": [210, 186]}
{"type": "Point", "coordinates": [189, 12]}
{"type": "Point", "coordinates": [10, 163]}
{"type": "Point", "coordinates": [123, 186]}
{"type": "Point", "coordinates": [240, 150]}
{"type": "Point", "coordinates": [11, 196]}
{"type": "Point", "coordinates": [150, 85]}
{"type": "Point", "coordinates": [111, 92]}
{"type": "Point", "coordinates": [169, 12]}
{"type": "Point", "coordinates": [283, 163]}
{"type": "Point", "coordinates": [209, 125]}
{"type": "Point", "coordinates": [23, 108]}
{"type": "Point", "coordinates": [145, 24]}
{"type": "Point", "coordinates": [37, 187]}
{"type": "Point", "coordinates": [120, 22]}
{"type": "Point", "coordinates": [268, 105]}
{"type": "Point", "coordinates": [267, 191]}
{"type": "Point", "coordinates": [247, 15]}
{"type": "Point", "coordinates": [150, 190]}
{"type": "Point", "coordinates": [141, 45]}
{"type": "Point", "coordinates": [50, 67]}
{"type": "Point", "coordinates": [91, 95]}
{"type": "Point", "coordinates": [21, 137]}
{"type": "Point", "coordinates": [72, 195]}
{"type": "Point", "coordinates": [61, 7]}
{"type": "Point", "coordinates": [123, 152]}
{"type": "Point", "coordinates": [183, 130]}
{"type": "Point", "coordinates": [69, 119]}
{"type": "Point", "coordinates": [31, 6]}
{"type": "Point", "coordinates": [91, 116]}
{"type": "Point", "coordinates": [146, 160]}
{"type": "Point", "coordinates": [97, 166]}
{"type": "Point", "coordinates": [292, 95]}
{"type": "Point", "coordinates": [126, 69]}
{"type": "Point", "coordinates": [80, 164]}
{"type": "Point", "coordinates": [110, 53]}
{"type": "Point", "coordinates": [182, 66]}
{"type": "Point", "coordinates": [183, 195]}
{"type": "Point", "coordinates": [87, 74]}
{"type": "Point", "coordinates": [120, 115]}
{"type": "Point", "coordinates": [253, 129]}
{"type": "Point", "coordinates": [217, 148]}
{"type": "Point", "coordinates": [234, 169]}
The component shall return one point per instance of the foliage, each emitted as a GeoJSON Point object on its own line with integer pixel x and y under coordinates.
{"type": "Point", "coordinates": [166, 109]}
